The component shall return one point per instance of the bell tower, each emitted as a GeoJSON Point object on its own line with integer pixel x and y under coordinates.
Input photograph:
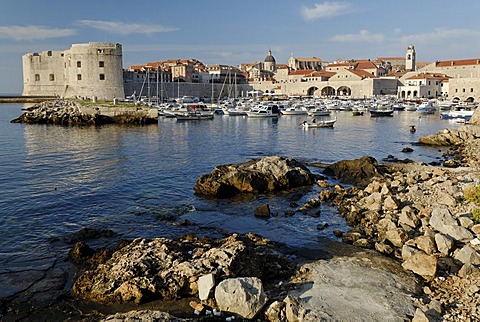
{"type": "Point", "coordinates": [410, 59]}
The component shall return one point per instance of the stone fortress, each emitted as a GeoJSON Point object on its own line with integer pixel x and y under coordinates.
{"type": "Point", "coordinates": [94, 70]}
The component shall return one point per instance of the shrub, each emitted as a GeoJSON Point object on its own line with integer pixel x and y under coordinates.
{"type": "Point", "coordinates": [476, 215]}
{"type": "Point", "coordinates": [472, 193]}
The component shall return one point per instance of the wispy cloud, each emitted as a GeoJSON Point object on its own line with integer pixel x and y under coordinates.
{"type": "Point", "coordinates": [324, 10]}
{"type": "Point", "coordinates": [123, 28]}
{"type": "Point", "coordinates": [33, 32]}
{"type": "Point", "coordinates": [362, 36]}
{"type": "Point", "coordinates": [444, 35]}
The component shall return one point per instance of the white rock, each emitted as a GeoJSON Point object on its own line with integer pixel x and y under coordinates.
{"type": "Point", "coordinates": [243, 296]}
{"type": "Point", "coordinates": [205, 285]}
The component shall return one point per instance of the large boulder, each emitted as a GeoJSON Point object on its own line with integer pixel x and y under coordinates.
{"type": "Point", "coordinates": [359, 171]}
{"type": "Point", "coordinates": [475, 120]}
{"type": "Point", "coordinates": [160, 268]}
{"type": "Point", "coordinates": [243, 296]}
{"type": "Point", "coordinates": [272, 173]}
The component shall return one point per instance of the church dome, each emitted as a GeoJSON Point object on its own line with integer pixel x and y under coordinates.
{"type": "Point", "coordinates": [269, 58]}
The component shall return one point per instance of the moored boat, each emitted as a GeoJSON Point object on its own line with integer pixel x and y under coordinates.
{"type": "Point", "coordinates": [426, 108]}
{"type": "Point", "coordinates": [319, 123]}
{"type": "Point", "coordinates": [262, 111]}
{"type": "Point", "coordinates": [294, 110]}
{"type": "Point", "coordinates": [462, 114]}
{"type": "Point", "coordinates": [380, 112]}
{"type": "Point", "coordinates": [193, 116]}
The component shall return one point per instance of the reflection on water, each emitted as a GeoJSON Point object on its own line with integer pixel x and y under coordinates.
{"type": "Point", "coordinates": [57, 180]}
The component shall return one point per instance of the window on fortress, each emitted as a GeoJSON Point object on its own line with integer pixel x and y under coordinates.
{"type": "Point", "coordinates": [102, 76]}
{"type": "Point", "coordinates": [79, 76]}
{"type": "Point", "coordinates": [79, 64]}
{"type": "Point", "coordinates": [101, 64]}
{"type": "Point", "coordinates": [49, 53]}
{"type": "Point", "coordinates": [471, 90]}
{"type": "Point", "coordinates": [51, 77]}
{"type": "Point", "coordinates": [37, 77]}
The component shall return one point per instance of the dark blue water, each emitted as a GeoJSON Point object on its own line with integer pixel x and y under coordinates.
{"type": "Point", "coordinates": [56, 180]}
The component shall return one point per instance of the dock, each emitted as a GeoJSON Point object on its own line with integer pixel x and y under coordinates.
{"type": "Point", "coordinates": [24, 99]}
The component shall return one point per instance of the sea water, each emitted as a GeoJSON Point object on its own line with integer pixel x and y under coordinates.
{"type": "Point", "coordinates": [138, 180]}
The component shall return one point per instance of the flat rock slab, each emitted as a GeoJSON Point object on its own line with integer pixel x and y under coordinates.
{"type": "Point", "coordinates": [362, 287]}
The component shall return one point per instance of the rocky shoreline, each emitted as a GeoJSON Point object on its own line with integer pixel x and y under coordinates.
{"type": "Point", "coordinates": [412, 253]}
{"type": "Point", "coordinates": [72, 113]}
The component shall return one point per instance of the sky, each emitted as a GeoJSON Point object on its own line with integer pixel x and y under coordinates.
{"type": "Point", "coordinates": [235, 32]}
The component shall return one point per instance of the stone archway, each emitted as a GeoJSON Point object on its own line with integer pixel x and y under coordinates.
{"type": "Point", "coordinates": [470, 99]}
{"type": "Point", "coordinates": [344, 91]}
{"type": "Point", "coordinates": [328, 91]}
{"type": "Point", "coordinates": [312, 90]}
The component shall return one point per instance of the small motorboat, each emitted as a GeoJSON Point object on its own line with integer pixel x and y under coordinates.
{"type": "Point", "coordinates": [381, 112]}
{"type": "Point", "coordinates": [317, 123]}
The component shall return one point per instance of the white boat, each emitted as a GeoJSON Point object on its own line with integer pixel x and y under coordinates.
{"type": "Point", "coordinates": [410, 106]}
{"type": "Point", "coordinates": [462, 114]}
{"type": "Point", "coordinates": [426, 108]}
{"type": "Point", "coordinates": [294, 110]}
{"type": "Point", "coordinates": [318, 111]}
{"type": "Point", "coordinates": [262, 111]}
{"type": "Point", "coordinates": [193, 116]}
{"type": "Point", "coordinates": [319, 123]}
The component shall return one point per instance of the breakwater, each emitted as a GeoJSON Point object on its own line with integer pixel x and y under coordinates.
{"type": "Point", "coordinates": [24, 99]}
{"type": "Point", "coordinates": [65, 112]}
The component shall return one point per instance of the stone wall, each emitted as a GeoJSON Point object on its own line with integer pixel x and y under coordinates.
{"type": "Point", "coordinates": [84, 70]}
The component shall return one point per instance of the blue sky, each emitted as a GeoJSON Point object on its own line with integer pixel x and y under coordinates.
{"type": "Point", "coordinates": [235, 32]}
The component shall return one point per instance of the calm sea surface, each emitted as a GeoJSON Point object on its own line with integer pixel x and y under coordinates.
{"type": "Point", "coordinates": [56, 180]}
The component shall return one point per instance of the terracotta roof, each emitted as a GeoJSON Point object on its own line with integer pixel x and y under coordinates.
{"type": "Point", "coordinates": [341, 65]}
{"type": "Point", "coordinates": [282, 66]}
{"type": "Point", "coordinates": [365, 64]}
{"type": "Point", "coordinates": [390, 58]}
{"type": "Point", "coordinates": [327, 74]}
{"type": "Point", "coordinates": [137, 67]}
{"type": "Point", "coordinates": [461, 62]}
{"type": "Point", "coordinates": [362, 73]}
{"type": "Point", "coordinates": [396, 74]}
{"type": "Point", "coordinates": [430, 76]}
{"type": "Point", "coordinates": [302, 72]}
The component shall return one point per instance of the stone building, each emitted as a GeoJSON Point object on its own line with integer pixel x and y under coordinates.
{"type": "Point", "coordinates": [91, 70]}
{"type": "Point", "coordinates": [463, 78]}
{"type": "Point", "coordinates": [424, 85]}
{"type": "Point", "coordinates": [305, 63]}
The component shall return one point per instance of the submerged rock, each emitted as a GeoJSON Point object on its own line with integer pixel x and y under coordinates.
{"type": "Point", "coordinates": [263, 175]}
{"type": "Point", "coordinates": [359, 171]}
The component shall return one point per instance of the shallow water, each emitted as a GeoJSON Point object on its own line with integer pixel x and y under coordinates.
{"type": "Point", "coordinates": [56, 180]}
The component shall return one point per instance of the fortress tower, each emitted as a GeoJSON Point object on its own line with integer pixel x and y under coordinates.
{"type": "Point", "coordinates": [410, 59]}
{"type": "Point", "coordinates": [90, 70]}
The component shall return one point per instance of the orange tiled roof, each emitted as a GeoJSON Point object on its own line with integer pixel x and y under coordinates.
{"type": "Point", "coordinates": [430, 76]}
{"type": "Point", "coordinates": [461, 62]}
{"type": "Point", "coordinates": [362, 73]}
{"type": "Point", "coordinates": [390, 58]}
{"type": "Point", "coordinates": [137, 67]}
{"type": "Point", "coordinates": [365, 64]}
{"type": "Point", "coordinates": [301, 72]}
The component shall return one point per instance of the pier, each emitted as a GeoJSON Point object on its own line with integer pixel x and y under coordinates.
{"type": "Point", "coordinates": [24, 99]}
